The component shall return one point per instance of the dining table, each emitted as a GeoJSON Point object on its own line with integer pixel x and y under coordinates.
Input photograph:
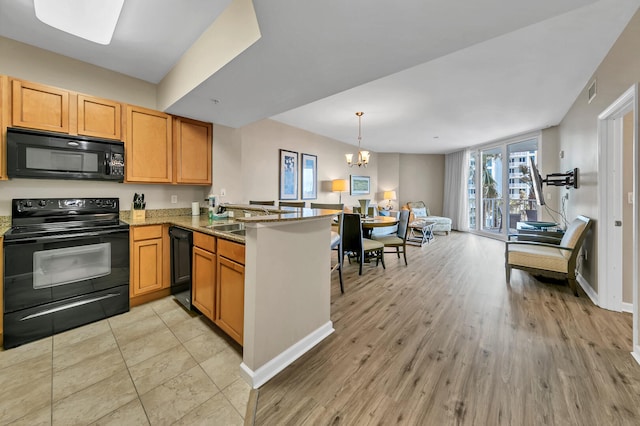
{"type": "Point", "coordinates": [368, 223]}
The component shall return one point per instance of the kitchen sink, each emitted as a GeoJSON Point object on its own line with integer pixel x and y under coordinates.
{"type": "Point", "coordinates": [229, 227]}
{"type": "Point", "coordinates": [240, 232]}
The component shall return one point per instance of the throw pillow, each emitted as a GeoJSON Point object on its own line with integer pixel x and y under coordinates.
{"type": "Point", "coordinates": [421, 212]}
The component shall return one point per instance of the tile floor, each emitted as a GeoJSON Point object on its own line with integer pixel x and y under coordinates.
{"type": "Point", "coordinates": [157, 364]}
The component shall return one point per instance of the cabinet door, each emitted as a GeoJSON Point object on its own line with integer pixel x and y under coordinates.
{"type": "Point", "coordinates": [203, 276]}
{"type": "Point", "coordinates": [192, 151]}
{"type": "Point", "coordinates": [147, 266]}
{"type": "Point", "coordinates": [99, 117]}
{"type": "Point", "coordinates": [5, 120]}
{"type": "Point", "coordinates": [230, 295]}
{"type": "Point", "coordinates": [36, 106]}
{"type": "Point", "coordinates": [1, 287]}
{"type": "Point", "coordinates": [148, 146]}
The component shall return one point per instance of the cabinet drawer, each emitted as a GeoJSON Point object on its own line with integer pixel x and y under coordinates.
{"type": "Point", "coordinates": [146, 232]}
{"type": "Point", "coordinates": [231, 250]}
{"type": "Point", "coordinates": [204, 241]}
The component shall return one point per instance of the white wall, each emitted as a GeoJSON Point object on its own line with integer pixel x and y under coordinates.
{"type": "Point", "coordinates": [422, 179]}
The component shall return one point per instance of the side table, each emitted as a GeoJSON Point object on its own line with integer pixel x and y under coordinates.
{"type": "Point", "coordinates": [420, 232]}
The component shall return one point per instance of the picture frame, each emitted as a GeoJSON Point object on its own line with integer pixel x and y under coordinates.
{"type": "Point", "coordinates": [288, 181]}
{"type": "Point", "coordinates": [308, 176]}
{"type": "Point", "coordinates": [360, 185]}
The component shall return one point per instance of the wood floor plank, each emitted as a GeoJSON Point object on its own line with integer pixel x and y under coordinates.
{"type": "Point", "coordinates": [445, 340]}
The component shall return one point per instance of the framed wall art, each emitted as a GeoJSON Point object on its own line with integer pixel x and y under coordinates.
{"type": "Point", "coordinates": [309, 176]}
{"type": "Point", "coordinates": [288, 175]}
{"type": "Point", "coordinates": [360, 185]}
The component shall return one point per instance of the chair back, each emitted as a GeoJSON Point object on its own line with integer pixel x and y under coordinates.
{"type": "Point", "coordinates": [327, 206]}
{"type": "Point", "coordinates": [298, 204]}
{"type": "Point", "coordinates": [403, 224]}
{"type": "Point", "coordinates": [419, 209]}
{"type": "Point", "coordinates": [263, 203]}
{"type": "Point", "coordinates": [352, 233]}
{"type": "Point", "coordinates": [340, 230]}
{"type": "Point", "coordinates": [575, 234]}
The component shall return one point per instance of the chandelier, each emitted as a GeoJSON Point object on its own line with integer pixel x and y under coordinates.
{"type": "Point", "coordinates": [363, 156]}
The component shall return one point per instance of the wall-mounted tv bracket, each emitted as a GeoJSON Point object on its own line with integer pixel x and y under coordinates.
{"type": "Point", "coordinates": [568, 179]}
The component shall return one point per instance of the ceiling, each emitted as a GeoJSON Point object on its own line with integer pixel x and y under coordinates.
{"type": "Point", "coordinates": [432, 76]}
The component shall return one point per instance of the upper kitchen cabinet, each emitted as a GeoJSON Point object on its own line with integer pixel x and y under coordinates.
{"type": "Point", "coordinates": [192, 142]}
{"type": "Point", "coordinates": [98, 117]}
{"type": "Point", "coordinates": [148, 150]}
{"type": "Point", "coordinates": [37, 106]}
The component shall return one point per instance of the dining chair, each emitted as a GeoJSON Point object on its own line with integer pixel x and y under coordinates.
{"type": "Point", "coordinates": [398, 240]}
{"type": "Point", "coordinates": [336, 245]}
{"type": "Point", "coordinates": [263, 203]}
{"type": "Point", "coordinates": [298, 204]}
{"type": "Point", "coordinates": [327, 206]}
{"type": "Point", "coordinates": [355, 245]}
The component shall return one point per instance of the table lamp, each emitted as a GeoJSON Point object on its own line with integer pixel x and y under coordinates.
{"type": "Point", "coordinates": [389, 195]}
{"type": "Point", "coordinates": [339, 185]}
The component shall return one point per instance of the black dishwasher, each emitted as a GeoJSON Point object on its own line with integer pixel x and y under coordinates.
{"type": "Point", "coordinates": [181, 243]}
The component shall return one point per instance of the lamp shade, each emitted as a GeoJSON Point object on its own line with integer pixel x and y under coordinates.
{"type": "Point", "coordinates": [389, 195]}
{"type": "Point", "coordinates": [339, 185]}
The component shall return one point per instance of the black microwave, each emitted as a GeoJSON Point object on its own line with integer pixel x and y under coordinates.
{"type": "Point", "coordinates": [47, 155]}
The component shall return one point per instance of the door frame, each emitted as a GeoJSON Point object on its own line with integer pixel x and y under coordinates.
{"type": "Point", "coordinates": [610, 262]}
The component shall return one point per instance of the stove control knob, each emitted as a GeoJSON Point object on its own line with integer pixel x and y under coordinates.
{"type": "Point", "coordinates": [28, 204]}
{"type": "Point", "coordinates": [42, 203]}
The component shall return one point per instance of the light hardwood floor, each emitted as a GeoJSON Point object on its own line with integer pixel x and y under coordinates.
{"type": "Point", "coordinates": [446, 341]}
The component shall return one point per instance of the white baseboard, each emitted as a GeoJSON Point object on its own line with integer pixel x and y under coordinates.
{"type": "Point", "coordinates": [588, 289]}
{"type": "Point", "coordinates": [627, 307]}
{"type": "Point", "coordinates": [636, 355]}
{"type": "Point", "coordinates": [260, 376]}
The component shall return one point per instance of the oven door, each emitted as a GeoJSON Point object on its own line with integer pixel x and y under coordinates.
{"type": "Point", "coordinates": [44, 270]}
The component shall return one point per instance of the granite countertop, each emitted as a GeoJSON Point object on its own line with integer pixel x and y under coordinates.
{"type": "Point", "coordinates": [194, 223]}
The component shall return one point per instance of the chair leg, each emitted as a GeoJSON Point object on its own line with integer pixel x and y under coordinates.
{"type": "Point", "coordinates": [573, 285]}
{"type": "Point", "coordinates": [398, 252]}
{"type": "Point", "coordinates": [381, 256]}
{"type": "Point", "coordinates": [340, 275]}
{"type": "Point", "coordinates": [508, 272]}
{"type": "Point", "coordinates": [404, 253]}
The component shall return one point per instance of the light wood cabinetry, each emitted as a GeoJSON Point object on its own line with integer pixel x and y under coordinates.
{"type": "Point", "coordinates": [37, 106]}
{"type": "Point", "coordinates": [203, 274]}
{"type": "Point", "coordinates": [230, 289]}
{"type": "Point", "coordinates": [192, 142]}
{"type": "Point", "coordinates": [149, 259]}
{"type": "Point", "coordinates": [5, 119]}
{"type": "Point", "coordinates": [97, 117]}
{"type": "Point", "coordinates": [148, 153]}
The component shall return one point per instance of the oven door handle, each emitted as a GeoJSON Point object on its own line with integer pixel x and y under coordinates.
{"type": "Point", "coordinates": [62, 237]}
{"type": "Point", "coordinates": [69, 306]}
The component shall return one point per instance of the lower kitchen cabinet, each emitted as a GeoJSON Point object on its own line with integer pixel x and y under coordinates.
{"type": "Point", "coordinates": [230, 289]}
{"type": "Point", "coordinates": [203, 274]}
{"type": "Point", "coordinates": [149, 259]}
{"type": "Point", "coordinates": [1, 288]}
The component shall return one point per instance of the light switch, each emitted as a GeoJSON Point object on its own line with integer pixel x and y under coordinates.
{"type": "Point", "coordinates": [630, 197]}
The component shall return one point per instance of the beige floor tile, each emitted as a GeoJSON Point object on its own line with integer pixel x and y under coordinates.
{"type": "Point", "coordinates": [130, 332]}
{"type": "Point", "coordinates": [22, 353]}
{"type": "Point", "coordinates": [85, 373]}
{"type": "Point", "coordinates": [95, 401]}
{"type": "Point", "coordinates": [223, 368]}
{"type": "Point", "coordinates": [238, 393]}
{"type": "Point", "coordinates": [178, 396]}
{"type": "Point", "coordinates": [81, 333]}
{"type": "Point", "coordinates": [41, 417]}
{"type": "Point", "coordinates": [147, 346]}
{"type": "Point", "coordinates": [165, 304]}
{"type": "Point", "coordinates": [26, 398]}
{"type": "Point", "coordinates": [176, 315]}
{"type": "Point", "coordinates": [136, 314]}
{"type": "Point", "coordinates": [68, 355]}
{"type": "Point", "coordinates": [158, 369]}
{"type": "Point", "coordinates": [131, 414]}
{"type": "Point", "coordinates": [187, 330]}
{"type": "Point", "coordinates": [27, 371]}
{"type": "Point", "coordinates": [216, 411]}
{"type": "Point", "coordinates": [205, 346]}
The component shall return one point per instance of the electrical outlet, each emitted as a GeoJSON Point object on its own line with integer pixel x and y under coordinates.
{"type": "Point", "coordinates": [223, 192]}
{"type": "Point", "coordinates": [174, 199]}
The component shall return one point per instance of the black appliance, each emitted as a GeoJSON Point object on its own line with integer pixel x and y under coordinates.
{"type": "Point", "coordinates": [66, 264]}
{"type": "Point", "coordinates": [48, 155]}
{"type": "Point", "coordinates": [181, 244]}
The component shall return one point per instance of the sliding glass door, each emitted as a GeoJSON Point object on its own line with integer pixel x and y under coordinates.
{"type": "Point", "coordinates": [499, 191]}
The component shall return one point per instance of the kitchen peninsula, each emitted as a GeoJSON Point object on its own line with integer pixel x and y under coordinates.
{"type": "Point", "coordinates": [287, 282]}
